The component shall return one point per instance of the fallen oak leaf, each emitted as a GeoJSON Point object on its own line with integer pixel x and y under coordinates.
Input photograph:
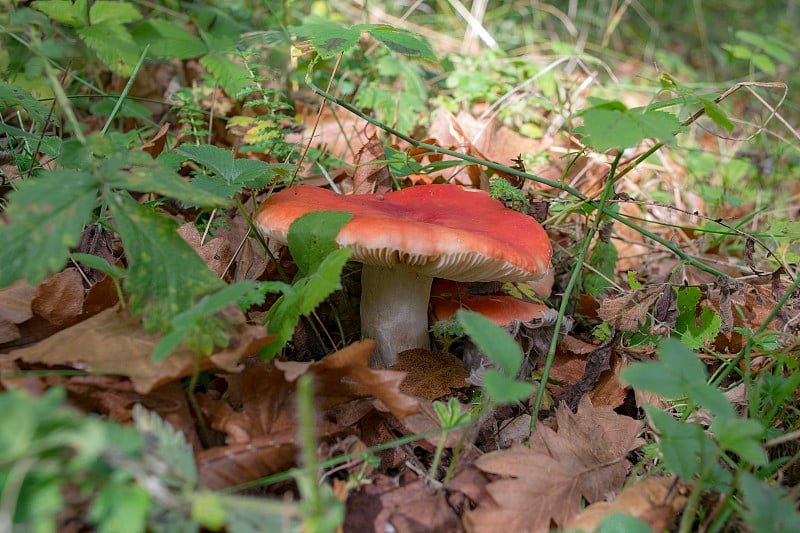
{"type": "Point", "coordinates": [585, 458]}
{"type": "Point", "coordinates": [430, 374]}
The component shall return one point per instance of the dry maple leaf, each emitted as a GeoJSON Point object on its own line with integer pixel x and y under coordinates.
{"type": "Point", "coordinates": [544, 483]}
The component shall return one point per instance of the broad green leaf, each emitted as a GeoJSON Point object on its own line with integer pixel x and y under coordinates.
{"type": "Point", "coordinates": [658, 125]}
{"type": "Point", "coordinates": [327, 38]}
{"type": "Point", "coordinates": [609, 129]}
{"type": "Point", "coordinates": [770, 509]}
{"type": "Point", "coordinates": [46, 215]}
{"type": "Point", "coordinates": [695, 332]}
{"type": "Point", "coordinates": [12, 95]}
{"type": "Point", "coordinates": [118, 12]}
{"type": "Point", "coordinates": [165, 276]}
{"type": "Point", "coordinates": [742, 437]}
{"type": "Point", "coordinates": [763, 62]}
{"type": "Point", "coordinates": [618, 522]}
{"type": "Point", "coordinates": [230, 75]}
{"type": "Point", "coordinates": [98, 263]}
{"type": "Point", "coordinates": [302, 298]}
{"type": "Point", "coordinates": [113, 45]}
{"type": "Point", "coordinates": [167, 445]}
{"type": "Point", "coordinates": [120, 506]}
{"type": "Point", "coordinates": [684, 446]}
{"type": "Point", "coordinates": [313, 236]}
{"type": "Point", "coordinates": [603, 261]}
{"type": "Point", "coordinates": [504, 389]}
{"type": "Point", "coordinates": [402, 42]}
{"type": "Point", "coordinates": [715, 113]}
{"type": "Point", "coordinates": [678, 373]}
{"type": "Point", "coordinates": [168, 40]}
{"type": "Point", "coordinates": [780, 51]}
{"type": "Point", "coordinates": [64, 11]}
{"type": "Point", "coordinates": [493, 341]}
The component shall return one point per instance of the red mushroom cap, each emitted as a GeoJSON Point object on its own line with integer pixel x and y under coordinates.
{"type": "Point", "coordinates": [438, 230]}
{"type": "Point", "coordinates": [448, 297]}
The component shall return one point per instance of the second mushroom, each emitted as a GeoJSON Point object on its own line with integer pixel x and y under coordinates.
{"type": "Point", "coordinates": [406, 238]}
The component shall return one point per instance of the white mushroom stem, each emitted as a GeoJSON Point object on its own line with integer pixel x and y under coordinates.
{"type": "Point", "coordinates": [394, 310]}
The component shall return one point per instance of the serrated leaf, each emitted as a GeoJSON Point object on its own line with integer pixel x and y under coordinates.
{"type": "Point", "coordinates": [715, 113]}
{"type": "Point", "coordinates": [113, 45]}
{"type": "Point", "coordinates": [742, 437]}
{"type": "Point", "coordinates": [302, 298]}
{"type": "Point", "coordinates": [313, 236]}
{"type": "Point", "coordinates": [504, 389]}
{"type": "Point", "coordinates": [676, 374]}
{"type": "Point", "coordinates": [108, 10]}
{"type": "Point", "coordinates": [167, 445]}
{"type": "Point", "coordinates": [695, 332]}
{"type": "Point", "coordinates": [230, 75]}
{"type": "Point", "coordinates": [609, 129]}
{"type": "Point", "coordinates": [165, 276]}
{"type": "Point", "coordinates": [12, 95]}
{"type": "Point", "coordinates": [327, 38]}
{"type": "Point", "coordinates": [659, 125]}
{"type": "Point", "coordinates": [168, 40]}
{"type": "Point", "coordinates": [403, 42]}
{"type": "Point", "coordinates": [769, 509]}
{"type": "Point", "coordinates": [46, 215]}
{"type": "Point", "coordinates": [493, 341]}
{"type": "Point", "coordinates": [64, 11]}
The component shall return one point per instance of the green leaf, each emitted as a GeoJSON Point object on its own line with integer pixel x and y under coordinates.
{"type": "Point", "coordinates": [64, 11]}
{"type": "Point", "coordinates": [695, 331]}
{"type": "Point", "coordinates": [402, 42]}
{"type": "Point", "coordinates": [47, 215]}
{"type": "Point", "coordinates": [165, 276]}
{"type": "Point", "coordinates": [327, 38]}
{"type": "Point", "coordinates": [12, 95]}
{"type": "Point", "coordinates": [113, 45]}
{"type": "Point", "coordinates": [168, 40]}
{"type": "Point", "coordinates": [715, 113]}
{"type": "Point", "coordinates": [98, 263]}
{"type": "Point", "coordinates": [685, 447]}
{"type": "Point", "coordinates": [603, 260]}
{"type": "Point", "coordinates": [230, 75]}
{"type": "Point", "coordinates": [742, 437]}
{"type": "Point", "coordinates": [763, 62]}
{"type": "Point", "coordinates": [618, 522]}
{"type": "Point", "coordinates": [313, 236]}
{"type": "Point", "coordinates": [301, 299]}
{"type": "Point", "coordinates": [780, 51]}
{"type": "Point", "coordinates": [609, 129]}
{"type": "Point", "coordinates": [769, 509]}
{"type": "Point", "coordinates": [658, 125]}
{"type": "Point", "coordinates": [678, 373]}
{"type": "Point", "coordinates": [503, 389]}
{"type": "Point", "coordinates": [168, 446]}
{"type": "Point", "coordinates": [493, 341]}
{"type": "Point", "coordinates": [120, 507]}
{"type": "Point", "coordinates": [118, 12]}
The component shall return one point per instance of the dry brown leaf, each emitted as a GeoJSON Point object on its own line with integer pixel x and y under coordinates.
{"type": "Point", "coordinates": [15, 308]}
{"type": "Point", "coordinates": [585, 458]}
{"type": "Point", "coordinates": [345, 375]}
{"type": "Point", "coordinates": [430, 374]}
{"type": "Point", "coordinates": [627, 312]}
{"type": "Point", "coordinates": [368, 177]}
{"type": "Point", "coordinates": [114, 342]}
{"type": "Point", "coordinates": [215, 253]}
{"type": "Point", "coordinates": [650, 500]}
{"type": "Point", "coordinates": [59, 298]}
{"type": "Point", "coordinates": [156, 144]}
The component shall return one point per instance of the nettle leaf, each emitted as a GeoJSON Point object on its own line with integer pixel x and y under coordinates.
{"type": "Point", "coordinates": [46, 217]}
{"type": "Point", "coordinates": [137, 171]}
{"type": "Point", "coordinates": [113, 45]}
{"type": "Point", "coordinates": [493, 341]}
{"type": "Point", "coordinates": [12, 95]}
{"type": "Point", "coordinates": [301, 298]}
{"type": "Point", "coordinates": [695, 330]}
{"type": "Point", "coordinates": [167, 444]}
{"type": "Point", "coordinates": [402, 42]}
{"type": "Point", "coordinates": [685, 447]}
{"type": "Point", "coordinates": [610, 125]}
{"type": "Point", "coordinates": [165, 276]}
{"type": "Point", "coordinates": [313, 236]}
{"type": "Point", "coordinates": [168, 40]}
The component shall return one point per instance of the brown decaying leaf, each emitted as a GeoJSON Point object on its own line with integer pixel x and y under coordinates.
{"type": "Point", "coordinates": [404, 505]}
{"type": "Point", "coordinates": [59, 298]}
{"type": "Point", "coordinates": [430, 374]}
{"type": "Point", "coordinates": [585, 458]}
{"type": "Point", "coordinates": [368, 177]}
{"type": "Point", "coordinates": [15, 308]}
{"type": "Point", "coordinates": [216, 253]}
{"type": "Point", "coordinates": [114, 342]}
{"type": "Point", "coordinates": [655, 500]}
{"type": "Point", "coordinates": [627, 312]}
{"type": "Point", "coordinates": [156, 144]}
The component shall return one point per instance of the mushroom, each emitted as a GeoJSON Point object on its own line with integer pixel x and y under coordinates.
{"type": "Point", "coordinates": [406, 238]}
